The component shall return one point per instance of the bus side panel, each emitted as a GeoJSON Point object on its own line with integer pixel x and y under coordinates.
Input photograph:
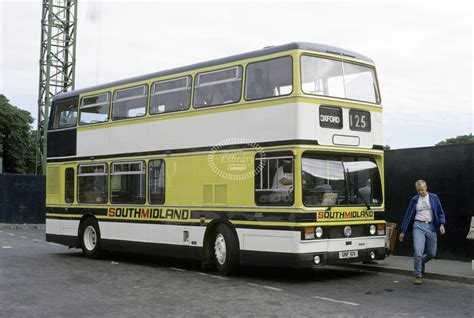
{"type": "Point", "coordinates": [62, 143]}
{"type": "Point", "coordinates": [175, 235]}
{"type": "Point", "coordinates": [268, 240]}
{"type": "Point", "coordinates": [54, 226]}
{"type": "Point", "coordinates": [70, 227]}
{"type": "Point", "coordinates": [126, 231]}
{"type": "Point", "coordinates": [154, 239]}
{"type": "Point", "coordinates": [55, 232]}
{"type": "Point", "coordinates": [110, 140]}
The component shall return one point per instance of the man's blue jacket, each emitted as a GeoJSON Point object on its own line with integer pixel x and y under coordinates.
{"type": "Point", "coordinates": [438, 212]}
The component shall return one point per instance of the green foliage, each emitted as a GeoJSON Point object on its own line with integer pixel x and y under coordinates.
{"type": "Point", "coordinates": [17, 140]}
{"type": "Point", "coordinates": [464, 139]}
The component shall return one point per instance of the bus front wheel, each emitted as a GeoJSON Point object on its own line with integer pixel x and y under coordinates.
{"type": "Point", "coordinates": [90, 238]}
{"type": "Point", "coordinates": [226, 250]}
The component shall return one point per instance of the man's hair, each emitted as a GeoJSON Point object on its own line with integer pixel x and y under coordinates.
{"type": "Point", "coordinates": [420, 183]}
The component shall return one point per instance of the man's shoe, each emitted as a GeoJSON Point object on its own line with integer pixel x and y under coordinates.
{"type": "Point", "coordinates": [417, 281]}
{"type": "Point", "coordinates": [423, 268]}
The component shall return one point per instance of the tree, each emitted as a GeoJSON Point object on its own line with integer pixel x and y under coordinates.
{"type": "Point", "coordinates": [16, 138]}
{"type": "Point", "coordinates": [463, 139]}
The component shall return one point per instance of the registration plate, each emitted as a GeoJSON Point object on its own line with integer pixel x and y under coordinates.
{"type": "Point", "coordinates": [348, 254]}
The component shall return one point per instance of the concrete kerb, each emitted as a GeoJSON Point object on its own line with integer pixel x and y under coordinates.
{"type": "Point", "coordinates": [393, 270]}
{"type": "Point", "coordinates": [23, 226]}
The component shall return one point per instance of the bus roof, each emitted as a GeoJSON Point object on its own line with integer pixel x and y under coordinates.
{"type": "Point", "coordinates": [262, 52]}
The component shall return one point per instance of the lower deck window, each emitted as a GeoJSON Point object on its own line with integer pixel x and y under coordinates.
{"type": "Point", "coordinates": [274, 181]}
{"type": "Point", "coordinates": [127, 182]}
{"type": "Point", "coordinates": [69, 185]}
{"type": "Point", "coordinates": [156, 181]}
{"type": "Point", "coordinates": [92, 183]}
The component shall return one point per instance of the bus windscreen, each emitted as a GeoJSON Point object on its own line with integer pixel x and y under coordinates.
{"type": "Point", "coordinates": [334, 78]}
{"type": "Point", "coordinates": [340, 181]}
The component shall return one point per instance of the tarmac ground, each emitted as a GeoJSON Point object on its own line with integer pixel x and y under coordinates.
{"type": "Point", "coordinates": [41, 279]}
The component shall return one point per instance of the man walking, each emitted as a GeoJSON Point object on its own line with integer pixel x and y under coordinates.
{"type": "Point", "coordinates": [427, 215]}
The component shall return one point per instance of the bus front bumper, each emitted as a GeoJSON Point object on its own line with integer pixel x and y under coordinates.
{"type": "Point", "coordinates": [307, 260]}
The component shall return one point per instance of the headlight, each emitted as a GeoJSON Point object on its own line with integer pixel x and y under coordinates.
{"type": "Point", "coordinates": [316, 259]}
{"type": "Point", "coordinates": [373, 229]}
{"type": "Point", "coordinates": [347, 231]}
{"type": "Point", "coordinates": [319, 232]}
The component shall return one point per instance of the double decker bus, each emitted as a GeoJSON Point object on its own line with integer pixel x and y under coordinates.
{"type": "Point", "coordinates": [272, 157]}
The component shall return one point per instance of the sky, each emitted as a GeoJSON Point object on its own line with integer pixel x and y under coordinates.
{"type": "Point", "coordinates": [422, 49]}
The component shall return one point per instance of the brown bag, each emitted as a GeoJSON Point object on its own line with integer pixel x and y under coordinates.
{"type": "Point", "coordinates": [390, 236]}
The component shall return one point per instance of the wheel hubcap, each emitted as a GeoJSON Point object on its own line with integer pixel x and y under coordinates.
{"type": "Point", "coordinates": [90, 238]}
{"type": "Point", "coordinates": [220, 249]}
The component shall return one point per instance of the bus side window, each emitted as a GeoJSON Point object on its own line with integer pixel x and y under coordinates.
{"type": "Point", "coordinates": [274, 180]}
{"type": "Point", "coordinates": [156, 181]}
{"type": "Point", "coordinates": [170, 95]}
{"type": "Point", "coordinates": [69, 185]}
{"type": "Point", "coordinates": [92, 183]}
{"type": "Point", "coordinates": [269, 78]}
{"type": "Point", "coordinates": [94, 109]}
{"type": "Point", "coordinates": [64, 114]}
{"type": "Point", "coordinates": [130, 102]}
{"type": "Point", "coordinates": [127, 182]}
{"type": "Point", "coordinates": [218, 87]}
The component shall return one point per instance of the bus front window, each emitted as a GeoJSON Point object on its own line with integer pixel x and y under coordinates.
{"type": "Point", "coordinates": [334, 78]}
{"type": "Point", "coordinates": [340, 181]}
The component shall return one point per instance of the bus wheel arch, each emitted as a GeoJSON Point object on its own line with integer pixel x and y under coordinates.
{"type": "Point", "coordinates": [89, 236]}
{"type": "Point", "coordinates": [221, 247]}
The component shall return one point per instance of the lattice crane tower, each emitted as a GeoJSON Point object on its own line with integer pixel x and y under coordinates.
{"type": "Point", "coordinates": [57, 64]}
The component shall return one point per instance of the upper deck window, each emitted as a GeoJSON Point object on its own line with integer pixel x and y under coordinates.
{"type": "Point", "coordinates": [269, 78]}
{"type": "Point", "coordinates": [64, 114]}
{"type": "Point", "coordinates": [321, 76]}
{"type": "Point", "coordinates": [170, 95]}
{"type": "Point", "coordinates": [94, 109]}
{"type": "Point", "coordinates": [218, 87]}
{"type": "Point", "coordinates": [130, 102]}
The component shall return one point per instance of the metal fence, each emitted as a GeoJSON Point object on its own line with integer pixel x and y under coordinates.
{"type": "Point", "coordinates": [449, 172]}
{"type": "Point", "coordinates": [22, 198]}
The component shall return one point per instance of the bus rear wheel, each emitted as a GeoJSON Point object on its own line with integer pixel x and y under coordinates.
{"type": "Point", "coordinates": [226, 250]}
{"type": "Point", "coordinates": [90, 238]}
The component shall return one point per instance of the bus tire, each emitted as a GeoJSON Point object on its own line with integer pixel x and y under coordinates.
{"type": "Point", "coordinates": [90, 238]}
{"type": "Point", "coordinates": [226, 250]}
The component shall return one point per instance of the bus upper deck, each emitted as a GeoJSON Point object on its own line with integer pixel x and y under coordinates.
{"type": "Point", "coordinates": [320, 95]}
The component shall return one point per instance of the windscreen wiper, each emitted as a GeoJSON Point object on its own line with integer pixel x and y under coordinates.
{"type": "Point", "coordinates": [346, 173]}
